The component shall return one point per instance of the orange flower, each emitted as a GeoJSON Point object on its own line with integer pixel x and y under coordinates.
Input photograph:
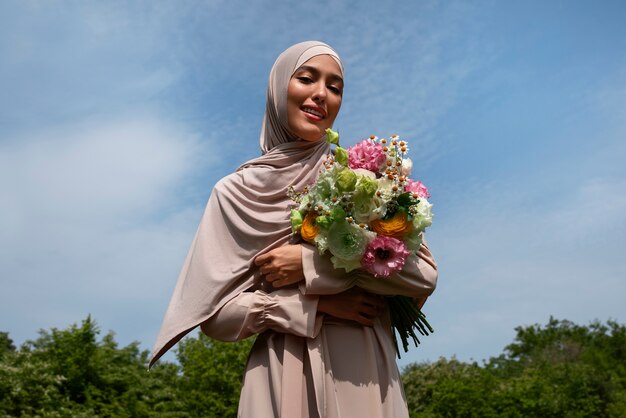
{"type": "Point", "coordinates": [309, 229]}
{"type": "Point", "coordinates": [397, 226]}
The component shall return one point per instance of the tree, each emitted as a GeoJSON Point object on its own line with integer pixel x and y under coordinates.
{"type": "Point", "coordinates": [70, 373]}
{"type": "Point", "coordinates": [561, 369]}
{"type": "Point", "coordinates": [212, 373]}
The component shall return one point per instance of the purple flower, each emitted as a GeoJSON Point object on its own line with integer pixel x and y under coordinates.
{"type": "Point", "coordinates": [384, 256]}
{"type": "Point", "coordinates": [367, 155]}
{"type": "Point", "coordinates": [418, 188]}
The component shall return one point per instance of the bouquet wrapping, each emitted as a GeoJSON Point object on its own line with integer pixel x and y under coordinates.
{"type": "Point", "coordinates": [366, 211]}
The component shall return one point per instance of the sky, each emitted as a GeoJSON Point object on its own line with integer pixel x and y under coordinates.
{"type": "Point", "coordinates": [117, 118]}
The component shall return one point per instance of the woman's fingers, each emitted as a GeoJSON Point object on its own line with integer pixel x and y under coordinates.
{"type": "Point", "coordinates": [283, 263]}
{"type": "Point", "coordinates": [266, 268]}
{"type": "Point", "coordinates": [369, 310]}
{"type": "Point", "coordinates": [364, 321]}
{"type": "Point", "coordinates": [355, 304]}
{"type": "Point", "coordinates": [272, 277]}
{"type": "Point", "coordinates": [281, 280]}
{"type": "Point", "coordinates": [373, 300]}
{"type": "Point", "coordinates": [262, 259]}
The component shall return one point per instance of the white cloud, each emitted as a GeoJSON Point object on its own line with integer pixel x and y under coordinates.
{"type": "Point", "coordinates": [506, 262]}
{"type": "Point", "coordinates": [93, 221]}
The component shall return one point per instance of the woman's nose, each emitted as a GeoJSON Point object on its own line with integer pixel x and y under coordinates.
{"type": "Point", "coordinates": [320, 93]}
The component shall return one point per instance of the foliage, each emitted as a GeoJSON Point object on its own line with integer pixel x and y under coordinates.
{"type": "Point", "coordinates": [212, 373]}
{"type": "Point", "coordinates": [70, 373]}
{"type": "Point", "coordinates": [562, 369]}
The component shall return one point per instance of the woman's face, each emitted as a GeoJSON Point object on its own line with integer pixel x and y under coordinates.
{"type": "Point", "coordinates": [314, 97]}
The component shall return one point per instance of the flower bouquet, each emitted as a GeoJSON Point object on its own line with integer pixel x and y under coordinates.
{"type": "Point", "coordinates": [366, 211]}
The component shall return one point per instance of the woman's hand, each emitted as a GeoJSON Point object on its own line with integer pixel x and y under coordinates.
{"type": "Point", "coordinates": [354, 304]}
{"type": "Point", "coordinates": [282, 266]}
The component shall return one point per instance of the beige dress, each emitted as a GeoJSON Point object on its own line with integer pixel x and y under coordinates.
{"type": "Point", "coordinates": [306, 364]}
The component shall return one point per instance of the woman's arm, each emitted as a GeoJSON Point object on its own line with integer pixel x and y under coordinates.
{"type": "Point", "coordinates": [249, 313]}
{"type": "Point", "coordinates": [417, 279]}
{"type": "Point", "coordinates": [289, 311]}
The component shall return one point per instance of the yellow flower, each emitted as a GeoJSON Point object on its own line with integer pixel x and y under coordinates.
{"type": "Point", "coordinates": [397, 226]}
{"type": "Point", "coordinates": [309, 229]}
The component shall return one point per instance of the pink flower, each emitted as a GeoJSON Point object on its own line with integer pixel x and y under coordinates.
{"type": "Point", "coordinates": [367, 155]}
{"type": "Point", "coordinates": [384, 256]}
{"type": "Point", "coordinates": [418, 188]}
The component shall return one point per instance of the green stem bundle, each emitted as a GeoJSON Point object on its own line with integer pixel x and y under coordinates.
{"type": "Point", "coordinates": [406, 318]}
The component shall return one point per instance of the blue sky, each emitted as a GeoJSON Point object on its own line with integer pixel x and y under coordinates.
{"type": "Point", "coordinates": [116, 118]}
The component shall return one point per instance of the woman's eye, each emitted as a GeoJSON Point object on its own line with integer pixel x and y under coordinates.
{"type": "Point", "coordinates": [305, 79]}
{"type": "Point", "coordinates": [334, 89]}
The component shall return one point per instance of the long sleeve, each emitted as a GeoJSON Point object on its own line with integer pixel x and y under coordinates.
{"type": "Point", "coordinates": [284, 310]}
{"type": "Point", "coordinates": [417, 279]}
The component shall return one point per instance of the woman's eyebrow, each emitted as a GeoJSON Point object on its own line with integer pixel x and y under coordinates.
{"type": "Point", "coordinates": [316, 72]}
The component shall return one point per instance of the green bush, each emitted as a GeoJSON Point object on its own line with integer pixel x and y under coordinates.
{"type": "Point", "coordinates": [561, 369]}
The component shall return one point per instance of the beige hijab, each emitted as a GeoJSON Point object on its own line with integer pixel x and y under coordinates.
{"type": "Point", "coordinates": [248, 211]}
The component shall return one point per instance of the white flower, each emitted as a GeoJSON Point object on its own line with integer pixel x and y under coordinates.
{"type": "Point", "coordinates": [385, 187]}
{"type": "Point", "coordinates": [407, 166]}
{"type": "Point", "coordinates": [365, 173]}
{"type": "Point", "coordinates": [423, 217]}
{"type": "Point", "coordinates": [366, 211]}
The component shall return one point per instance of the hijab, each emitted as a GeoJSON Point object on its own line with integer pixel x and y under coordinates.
{"type": "Point", "coordinates": [248, 211]}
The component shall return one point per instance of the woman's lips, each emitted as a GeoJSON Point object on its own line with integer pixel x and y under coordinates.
{"type": "Point", "coordinates": [313, 113]}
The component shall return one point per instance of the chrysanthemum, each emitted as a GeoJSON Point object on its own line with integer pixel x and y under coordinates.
{"type": "Point", "coordinates": [367, 155]}
{"type": "Point", "coordinates": [384, 256]}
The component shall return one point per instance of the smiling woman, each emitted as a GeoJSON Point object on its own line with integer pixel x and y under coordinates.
{"type": "Point", "coordinates": [325, 347]}
{"type": "Point", "coordinates": [314, 97]}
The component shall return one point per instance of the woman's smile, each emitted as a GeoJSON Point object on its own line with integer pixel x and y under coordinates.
{"type": "Point", "coordinates": [314, 97]}
{"type": "Point", "coordinates": [314, 112]}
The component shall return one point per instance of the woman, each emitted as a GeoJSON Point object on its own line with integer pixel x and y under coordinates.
{"type": "Point", "coordinates": [325, 346]}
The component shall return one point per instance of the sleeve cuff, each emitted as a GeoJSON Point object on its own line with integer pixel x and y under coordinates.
{"type": "Point", "coordinates": [320, 277]}
{"type": "Point", "coordinates": [287, 311]}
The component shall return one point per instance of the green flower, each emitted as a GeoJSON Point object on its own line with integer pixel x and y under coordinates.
{"type": "Point", "coordinates": [296, 220]}
{"type": "Point", "coordinates": [348, 241]}
{"type": "Point", "coordinates": [341, 156]}
{"type": "Point", "coordinates": [346, 180]}
{"type": "Point", "coordinates": [323, 221]}
{"type": "Point", "coordinates": [413, 239]}
{"type": "Point", "coordinates": [338, 214]}
{"type": "Point", "coordinates": [366, 187]}
{"type": "Point", "coordinates": [321, 242]}
{"type": "Point", "coordinates": [324, 187]}
{"type": "Point", "coordinates": [348, 265]}
{"type": "Point", "coordinates": [363, 199]}
{"type": "Point", "coordinates": [332, 137]}
{"type": "Point", "coordinates": [304, 203]}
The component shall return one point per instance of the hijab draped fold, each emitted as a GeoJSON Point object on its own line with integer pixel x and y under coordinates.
{"type": "Point", "coordinates": [248, 211]}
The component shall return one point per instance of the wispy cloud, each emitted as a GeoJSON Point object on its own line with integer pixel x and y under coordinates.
{"type": "Point", "coordinates": [116, 119]}
{"type": "Point", "coordinates": [93, 215]}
